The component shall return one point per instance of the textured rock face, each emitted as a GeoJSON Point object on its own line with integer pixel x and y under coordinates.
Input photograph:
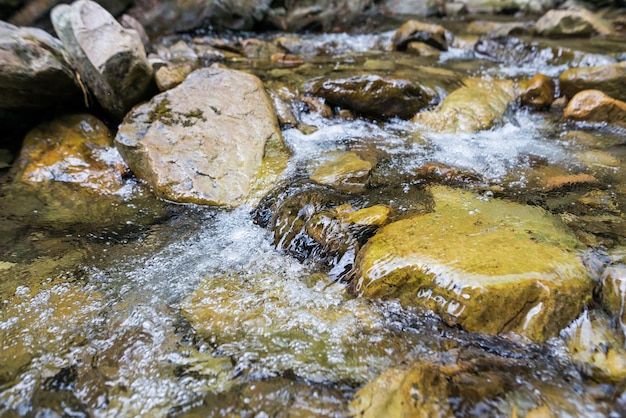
{"type": "Point", "coordinates": [33, 70]}
{"type": "Point", "coordinates": [490, 266]}
{"type": "Point", "coordinates": [475, 106]}
{"type": "Point", "coordinates": [611, 79]}
{"type": "Point", "coordinates": [373, 96]}
{"type": "Point", "coordinates": [595, 106]}
{"type": "Point", "coordinates": [205, 140]}
{"type": "Point", "coordinates": [111, 60]}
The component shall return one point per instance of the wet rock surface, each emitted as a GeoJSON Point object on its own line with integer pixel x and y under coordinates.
{"type": "Point", "coordinates": [450, 262]}
{"type": "Point", "coordinates": [499, 292]}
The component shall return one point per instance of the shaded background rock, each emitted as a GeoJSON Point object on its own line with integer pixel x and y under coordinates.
{"type": "Point", "coordinates": [111, 60]}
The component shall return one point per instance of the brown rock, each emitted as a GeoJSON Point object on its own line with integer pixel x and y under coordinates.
{"type": "Point", "coordinates": [413, 30]}
{"type": "Point", "coordinates": [610, 79]}
{"type": "Point", "coordinates": [572, 22]}
{"type": "Point", "coordinates": [168, 77]}
{"type": "Point", "coordinates": [538, 92]}
{"type": "Point", "coordinates": [595, 106]}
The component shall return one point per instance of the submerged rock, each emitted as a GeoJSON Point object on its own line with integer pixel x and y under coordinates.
{"type": "Point", "coordinates": [489, 266]}
{"type": "Point", "coordinates": [572, 22]}
{"type": "Point", "coordinates": [595, 106]}
{"type": "Point", "coordinates": [205, 140]}
{"type": "Point", "coordinates": [34, 72]}
{"type": "Point", "coordinates": [347, 172]}
{"type": "Point", "coordinates": [610, 79]}
{"type": "Point", "coordinates": [478, 105]}
{"type": "Point", "coordinates": [373, 95]}
{"type": "Point", "coordinates": [110, 59]}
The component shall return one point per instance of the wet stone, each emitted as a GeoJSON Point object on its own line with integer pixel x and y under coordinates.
{"type": "Point", "coordinates": [476, 106]}
{"type": "Point", "coordinates": [538, 92]}
{"type": "Point", "coordinates": [596, 107]}
{"type": "Point", "coordinates": [373, 95]}
{"type": "Point", "coordinates": [610, 79]}
{"type": "Point", "coordinates": [346, 172]}
{"type": "Point", "coordinates": [596, 348]}
{"type": "Point", "coordinates": [572, 22]}
{"type": "Point", "coordinates": [487, 265]}
{"type": "Point", "coordinates": [614, 294]}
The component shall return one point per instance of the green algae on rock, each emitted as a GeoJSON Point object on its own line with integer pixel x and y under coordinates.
{"type": "Point", "coordinates": [610, 79]}
{"type": "Point", "coordinates": [478, 105]}
{"type": "Point", "coordinates": [488, 265]}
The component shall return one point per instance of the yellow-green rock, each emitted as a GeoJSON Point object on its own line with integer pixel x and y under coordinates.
{"type": "Point", "coordinates": [478, 105]}
{"type": "Point", "coordinates": [347, 172]}
{"type": "Point", "coordinates": [488, 265]}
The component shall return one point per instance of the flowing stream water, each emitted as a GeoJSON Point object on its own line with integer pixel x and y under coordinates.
{"type": "Point", "coordinates": [95, 321]}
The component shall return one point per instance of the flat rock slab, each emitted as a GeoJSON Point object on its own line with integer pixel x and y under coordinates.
{"type": "Point", "coordinates": [488, 265]}
{"type": "Point", "coordinates": [204, 141]}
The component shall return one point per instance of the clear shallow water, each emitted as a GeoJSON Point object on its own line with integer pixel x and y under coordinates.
{"type": "Point", "coordinates": [199, 313]}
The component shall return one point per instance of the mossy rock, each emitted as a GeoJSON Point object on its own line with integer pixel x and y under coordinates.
{"type": "Point", "coordinates": [478, 105]}
{"type": "Point", "coordinates": [488, 265]}
{"type": "Point", "coordinates": [346, 172]}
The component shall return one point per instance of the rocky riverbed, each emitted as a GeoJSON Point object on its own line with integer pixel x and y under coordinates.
{"type": "Point", "coordinates": [373, 213]}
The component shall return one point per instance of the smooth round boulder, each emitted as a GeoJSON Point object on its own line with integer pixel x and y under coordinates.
{"type": "Point", "coordinates": [488, 265]}
{"type": "Point", "coordinates": [596, 107]}
{"type": "Point", "coordinates": [538, 92]}
{"type": "Point", "coordinates": [573, 22]}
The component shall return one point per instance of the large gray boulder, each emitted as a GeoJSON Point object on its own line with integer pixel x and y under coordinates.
{"type": "Point", "coordinates": [111, 60]}
{"type": "Point", "coordinates": [214, 139]}
{"type": "Point", "coordinates": [33, 70]}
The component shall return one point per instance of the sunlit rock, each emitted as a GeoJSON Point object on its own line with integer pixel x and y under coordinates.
{"type": "Point", "coordinates": [610, 79]}
{"type": "Point", "coordinates": [572, 22]}
{"type": "Point", "coordinates": [34, 72]}
{"type": "Point", "coordinates": [111, 60]}
{"type": "Point", "coordinates": [487, 265]}
{"type": "Point", "coordinates": [373, 95]}
{"type": "Point", "coordinates": [538, 92]}
{"type": "Point", "coordinates": [347, 172]}
{"type": "Point", "coordinates": [595, 106]}
{"type": "Point", "coordinates": [478, 105]}
{"type": "Point", "coordinates": [596, 348]}
{"type": "Point", "coordinates": [416, 31]}
{"type": "Point", "coordinates": [212, 140]}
